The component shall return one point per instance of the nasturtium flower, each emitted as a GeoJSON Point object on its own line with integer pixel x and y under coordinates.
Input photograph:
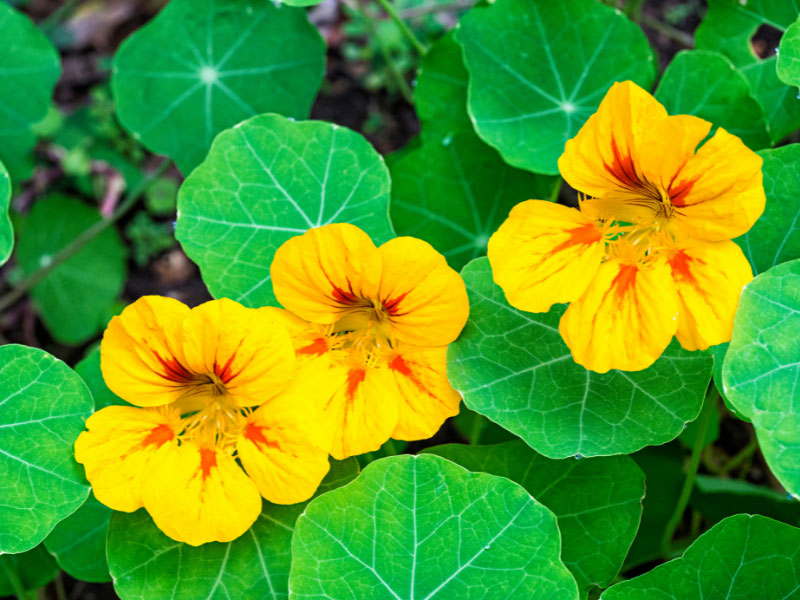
{"type": "Point", "coordinates": [216, 421]}
{"type": "Point", "coordinates": [371, 327]}
{"type": "Point", "coordinates": [648, 255]}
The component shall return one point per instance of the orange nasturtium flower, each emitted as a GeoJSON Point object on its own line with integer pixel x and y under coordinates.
{"type": "Point", "coordinates": [371, 328]}
{"type": "Point", "coordinates": [210, 385]}
{"type": "Point", "coordinates": [649, 254]}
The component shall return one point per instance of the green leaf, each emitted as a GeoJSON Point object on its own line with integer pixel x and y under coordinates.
{"type": "Point", "coordinates": [788, 65]}
{"type": "Point", "coordinates": [146, 564]}
{"type": "Point", "coordinates": [539, 69]}
{"type": "Point", "coordinates": [597, 501]}
{"type": "Point", "coordinates": [513, 367]}
{"type": "Point", "coordinates": [269, 179]}
{"type": "Point", "coordinates": [44, 405]}
{"type": "Point", "coordinates": [74, 299]}
{"type": "Point", "coordinates": [89, 370]}
{"type": "Point", "coordinates": [455, 192]}
{"type": "Point", "coordinates": [717, 498]}
{"type": "Point", "coordinates": [79, 542]}
{"type": "Point", "coordinates": [422, 527]}
{"type": "Point", "coordinates": [28, 570]}
{"type": "Point", "coordinates": [707, 85]}
{"type": "Point", "coordinates": [742, 558]}
{"type": "Point", "coordinates": [6, 229]}
{"type": "Point", "coordinates": [477, 429]}
{"type": "Point", "coordinates": [780, 101]}
{"type": "Point", "coordinates": [29, 69]}
{"type": "Point", "coordinates": [762, 367]}
{"type": "Point", "coordinates": [200, 67]}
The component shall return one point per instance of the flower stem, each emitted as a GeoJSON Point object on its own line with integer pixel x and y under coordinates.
{"type": "Point", "coordinates": [694, 462]}
{"type": "Point", "coordinates": [70, 250]}
{"type": "Point", "coordinates": [404, 28]}
{"type": "Point", "coordinates": [740, 457]}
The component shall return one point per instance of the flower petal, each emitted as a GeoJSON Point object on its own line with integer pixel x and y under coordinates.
{"type": "Point", "coordinates": [284, 449]}
{"type": "Point", "coordinates": [117, 449]}
{"type": "Point", "coordinates": [545, 253]}
{"type": "Point", "coordinates": [709, 279]}
{"type": "Point", "coordinates": [323, 273]}
{"type": "Point", "coordinates": [427, 398]}
{"type": "Point", "coordinates": [425, 300]}
{"type": "Point", "coordinates": [141, 354]}
{"type": "Point", "coordinates": [199, 494]}
{"type": "Point", "coordinates": [625, 320]}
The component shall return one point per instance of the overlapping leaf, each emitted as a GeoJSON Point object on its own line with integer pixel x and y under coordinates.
{"type": "Point", "coordinates": [43, 405]}
{"type": "Point", "coordinates": [718, 497]}
{"type": "Point", "coordinates": [788, 64]}
{"type": "Point", "coordinates": [269, 179]}
{"type": "Point", "coordinates": [26, 571]}
{"type": "Point", "coordinates": [538, 70]}
{"type": "Point", "coordinates": [597, 501]}
{"type": "Point", "coordinates": [514, 368]}
{"type": "Point", "coordinates": [200, 67]}
{"type": "Point", "coordinates": [6, 229]}
{"type": "Point", "coordinates": [422, 527]}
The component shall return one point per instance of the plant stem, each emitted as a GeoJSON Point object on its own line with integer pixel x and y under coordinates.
{"type": "Point", "coordinates": [681, 37]}
{"type": "Point", "coordinates": [61, 593]}
{"type": "Point", "coordinates": [694, 462]}
{"type": "Point", "coordinates": [14, 580]}
{"type": "Point", "coordinates": [58, 15]}
{"type": "Point", "coordinates": [405, 29]}
{"type": "Point", "coordinates": [24, 286]}
{"type": "Point", "coordinates": [740, 457]}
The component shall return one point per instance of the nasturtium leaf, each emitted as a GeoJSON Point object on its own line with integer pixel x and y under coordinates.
{"type": "Point", "coordinates": [741, 558]}
{"type": "Point", "coordinates": [780, 101]}
{"type": "Point", "coordinates": [6, 229]}
{"type": "Point", "coordinates": [43, 405]}
{"type": "Point", "coordinates": [707, 85]}
{"type": "Point", "coordinates": [477, 429]}
{"type": "Point", "coordinates": [597, 501]}
{"type": "Point", "coordinates": [200, 67]}
{"type": "Point", "coordinates": [269, 179]}
{"type": "Point", "coordinates": [89, 370]}
{"type": "Point", "coordinates": [422, 527]}
{"type": "Point", "coordinates": [513, 367]}
{"type": "Point", "coordinates": [689, 435]}
{"type": "Point", "coordinates": [718, 497]}
{"type": "Point", "coordinates": [762, 367]}
{"type": "Point", "coordinates": [74, 299]}
{"type": "Point", "coordinates": [146, 564]}
{"type": "Point", "coordinates": [538, 69]}
{"type": "Point", "coordinates": [28, 571]}
{"type": "Point", "coordinates": [788, 64]}
{"type": "Point", "coordinates": [29, 69]}
{"type": "Point", "coordinates": [455, 192]}
{"type": "Point", "coordinates": [79, 542]}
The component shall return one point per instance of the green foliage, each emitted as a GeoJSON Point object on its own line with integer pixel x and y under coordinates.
{"type": "Point", "coordinates": [433, 530]}
{"type": "Point", "coordinates": [788, 64]}
{"type": "Point", "coordinates": [44, 404]}
{"type": "Point", "coordinates": [227, 61]}
{"type": "Point", "coordinates": [597, 501]}
{"type": "Point", "coordinates": [29, 69]}
{"type": "Point", "coordinates": [6, 229]}
{"type": "Point", "coordinates": [269, 179]}
{"type": "Point", "coordinates": [89, 370]}
{"type": "Point", "coordinates": [26, 571]}
{"type": "Point", "coordinates": [513, 367]}
{"type": "Point", "coordinates": [75, 298]}
{"type": "Point", "coordinates": [762, 367]}
{"type": "Point", "coordinates": [148, 237]}
{"type": "Point", "coordinates": [717, 498]}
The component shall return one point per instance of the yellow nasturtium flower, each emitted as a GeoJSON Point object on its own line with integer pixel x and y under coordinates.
{"type": "Point", "coordinates": [649, 254]}
{"type": "Point", "coordinates": [210, 386]}
{"type": "Point", "coordinates": [371, 328]}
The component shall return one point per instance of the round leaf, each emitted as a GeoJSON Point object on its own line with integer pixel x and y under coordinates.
{"type": "Point", "coordinates": [789, 56]}
{"type": "Point", "coordinates": [29, 69]}
{"type": "Point", "coordinates": [146, 564]}
{"type": "Point", "coordinates": [200, 67]}
{"type": "Point", "coordinates": [266, 180]}
{"type": "Point", "coordinates": [741, 558]}
{"type": "Point", "coordinates": [539, 69]}
{"type": "Point", "coordinates": [422, 527]}
{"type": "Point", "coordinates": [75, 298]}
{"type": "Point", "coordinates": [31, 570]}
{"type": "Point", "coordinates": [6, 230]}
{"type": "Point", "coordinates": [597, 501]}
{"type": "Point", "coordinates": [762, 367]}
{"type": "Point", "coordinates": [89, 370]}
{"type": "Point", "coordinates": [43, 405]}
{"type": "Point", "coordinates": [707, 85]}
{"type": "Point", "coordinates": [717, 498]}
{"type": "Point", "coordinates": [513, 367]}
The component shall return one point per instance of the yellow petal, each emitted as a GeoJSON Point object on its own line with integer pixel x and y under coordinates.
{"type": "Point", "coordinates": [719, 194]}
{"type": "Point", "coordinates": [141, 354]}
{"type": "Point", "coordinates": [709, 278]}
{"type": "Point", "coordinates": [117, 449]}
{"type": "Point", "coordinates": [247, 349]}
{"type": "Point", "coordinates": [425, 300]}
{"type": "Point", "coordinates": [626, 318]}
{"type": "Point", "coordinates": [544, 254]}
{"type": "Point", "coordinates": [427, 398]}
{"type": "Point", "coordinates": [284, 449]}
{"type": "Point", "coordinates": [326, 272]}
{"type": "Point", "coordinates": [199, 495]}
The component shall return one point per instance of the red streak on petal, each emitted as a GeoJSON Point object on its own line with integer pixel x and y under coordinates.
{"type": "Point", "coordinates": [679, 192]}
{"type": "Point", "coordinates": [225, 374]}
{"type": "Point", "coordinates": [625, 280]}
{"type": "Point", "coordinates": [173, 370]}
{"type": "Point", "coordinates": [399, 365]}
{"type": "Point", "coordinates": [585, 235]}
{"type": "Point", "coordinates": [392, 306]}
{"type": "Point", "coordinates": [681, 265]}
{"type": "Point", "coordinates": [159, 436]}
{"type": "Point", "coordinates": [354, 379]}
{"type": "Point", "coordinates": [255, 434]}
{"type": "Point", "coordinates": [208, 460]}
{"type": "Point", "coordinates": [319, 347]}
{"type": "Point", "coordinates": [341, 296]}
{"type": "Point", "coordinates": [623, 168]}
